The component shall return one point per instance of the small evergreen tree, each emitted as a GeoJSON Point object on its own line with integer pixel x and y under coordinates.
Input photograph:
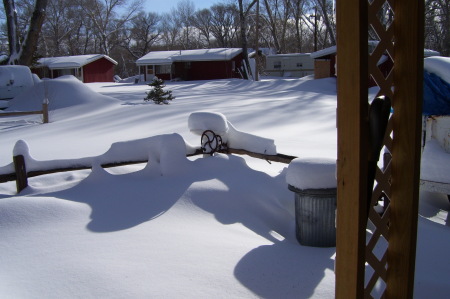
{"type": "Point", "coordinates": [157, 94]}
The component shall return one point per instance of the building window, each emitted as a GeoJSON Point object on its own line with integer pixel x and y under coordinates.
{"type": "Point", "coordinates": [162, 69]}
{"type": "Point", "coordinates": [299, 64]}
{"type": "Point", "coordinates": [277, 64]}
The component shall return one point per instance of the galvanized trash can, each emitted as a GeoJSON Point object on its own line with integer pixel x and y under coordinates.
{"type": "Point", "coordinates": [315, 216]}
{"type": "Point", "coordinates": [313, 181]}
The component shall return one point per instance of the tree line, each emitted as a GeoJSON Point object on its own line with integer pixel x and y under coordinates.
{"type": "Point", "coordinates": [126, 29]}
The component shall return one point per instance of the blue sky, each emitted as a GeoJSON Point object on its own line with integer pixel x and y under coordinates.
{"type": "Point", "coordinates": [163, 6]}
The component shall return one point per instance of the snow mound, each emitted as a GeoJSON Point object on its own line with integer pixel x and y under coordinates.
{"type": "Point", "coordinates": [252, 143]}
{"type": "Point", "coordinates": [62, 92]}
{"type": "Point", "coordinates": [312, 173]}
{"type": "Point", "coordinates": [167, 151]}
{"type": "Point", "coordinates": [199, 122]}
{"type": "Point", "coordinates": [438, 65]}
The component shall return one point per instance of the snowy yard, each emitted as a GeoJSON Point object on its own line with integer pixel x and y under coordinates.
{"type": "Point", "coordinates": [177, 227]}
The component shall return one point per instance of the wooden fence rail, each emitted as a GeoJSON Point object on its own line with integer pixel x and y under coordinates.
{"type": "Point", "coordinates": [21, 174]}
{"type": "Point", "coordinates": [44, 113]}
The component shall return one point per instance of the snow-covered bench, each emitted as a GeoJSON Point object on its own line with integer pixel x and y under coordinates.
{"type": "Point", "coordinates": [435, 163]}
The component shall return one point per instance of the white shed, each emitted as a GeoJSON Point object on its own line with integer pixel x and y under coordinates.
{"type": "Point", "coordinates": [290, 65]}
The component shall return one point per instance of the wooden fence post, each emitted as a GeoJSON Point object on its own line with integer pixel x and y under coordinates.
{"type": "Point", "coordinates": [45, 110]}
{"type": "Point", "coordinates": [21, 173]}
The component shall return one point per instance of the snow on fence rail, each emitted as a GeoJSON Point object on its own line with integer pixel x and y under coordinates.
{"type": "Point", "coordinates": [148, 150]}
{"type": "Point", "coordinates": [44, 113]}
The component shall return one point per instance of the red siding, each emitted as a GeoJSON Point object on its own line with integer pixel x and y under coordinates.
{"type": "Point", "coordinates": [208, 70]}
{"type": "Point", "coordinates": [101, 70]}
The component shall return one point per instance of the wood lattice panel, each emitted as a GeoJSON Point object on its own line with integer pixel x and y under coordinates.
{"type": "Point", "coordinates": [381, 63]}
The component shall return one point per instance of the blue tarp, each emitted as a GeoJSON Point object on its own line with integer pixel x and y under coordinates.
{"type": "Point", "coordinates": [436, 95]}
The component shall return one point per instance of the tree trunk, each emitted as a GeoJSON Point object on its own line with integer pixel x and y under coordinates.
{"type": "Point", "coordinates": [242, 18]}
{"type": "Point", "coordinates": [13, 37]}
{"type": "Point", "coordinates": [273, 26]}
{"type": "Point", "coordinates": [326, 19]}
{"type": "Point", "coordinates": [30, 44]}
{"type": "Point", "coordinates": [243, 34]}
{"type": "Point", "coordinates": [17, 54]}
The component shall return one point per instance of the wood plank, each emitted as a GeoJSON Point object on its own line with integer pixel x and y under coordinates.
{"type": "Point", "coordinates": [20, 113]}
{"type": "Point", "coordinates": [407, 104]}
{"type": "Point", "coordinates": [352, 126]}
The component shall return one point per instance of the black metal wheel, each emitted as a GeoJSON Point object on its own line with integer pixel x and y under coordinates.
{"type": "Point", "coordinates": [210, 142]}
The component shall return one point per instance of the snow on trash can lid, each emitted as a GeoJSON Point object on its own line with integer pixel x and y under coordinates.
{"type": "Point", "coordinates": [312, 173]}
{"type": "Point", "coordinates": [199, 122]}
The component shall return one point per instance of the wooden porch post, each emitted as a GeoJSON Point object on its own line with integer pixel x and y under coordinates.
{"type": "Point", "coordinates": [352, 74]}
{"type": "Point", "coordinates": [407, 104]}
{"type": "Point", "coordinates": [403, 41]}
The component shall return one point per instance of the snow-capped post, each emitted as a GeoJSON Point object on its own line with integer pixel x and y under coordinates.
{"type": "Point", "coordinates": [313, 180]}
{"type": "Point", "coordinates": [45, 110]}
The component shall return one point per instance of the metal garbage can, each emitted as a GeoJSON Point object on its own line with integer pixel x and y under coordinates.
{"type": "Point", "coordinates": [313, 181]}
{"type": "Point", "coordinates": [315, 216]}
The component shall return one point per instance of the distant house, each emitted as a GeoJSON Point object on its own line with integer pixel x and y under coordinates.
{"type": "Point", "coordinates": [87, 68]}
{"type": "Point", "coordinates": [201, 64]}
{"type": "Point", "coordinates": [289, 65]}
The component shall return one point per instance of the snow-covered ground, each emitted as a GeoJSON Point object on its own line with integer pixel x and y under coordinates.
{"type": "Point", "coordinates": [200, 227]}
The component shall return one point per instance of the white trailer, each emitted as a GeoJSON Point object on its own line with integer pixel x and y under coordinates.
{"type": "Point", "coordinates": [290, 65]}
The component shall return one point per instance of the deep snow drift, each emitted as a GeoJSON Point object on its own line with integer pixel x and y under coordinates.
{"type": "Point", "coordinates": [202, 227]}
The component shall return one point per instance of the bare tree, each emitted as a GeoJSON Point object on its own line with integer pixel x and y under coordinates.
{"type": "Point", "coordinates": [278, 13]}
{"type": "Point", "coordinates": [223, 23]}
{"type": "Point", "coordinates": [185, 13]}
{"type": "Point", "coordinates": [170, 30]}
{"type": "Point", "coordinates": [144, 32]}
{"type": "Point", "coordinates": [297, 7]}
{"type": "Point", "coordinates": [202, 22]}
{"type": "Point", "coordinates": [23, 53]}
{"type": "Point", "coordinates": [107, 22]}
{"type": "Point", "coordinates": [326, 9]}
{"type": "Point", "coordinates": [437, 26]}
{"type": "Point", "coordinates": [62, 22]}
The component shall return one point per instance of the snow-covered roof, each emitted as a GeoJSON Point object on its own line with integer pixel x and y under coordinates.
{"type": "Point", "coordinates": [290, 55]}
{"type": "Point", "coordinates": [167, 57]}
{"type": "Point", "coordinates": [324, 52]}
{"type": "Point", "coordinates": [65, 62]}
{"type": "Point", "coordinates": [333, 50]}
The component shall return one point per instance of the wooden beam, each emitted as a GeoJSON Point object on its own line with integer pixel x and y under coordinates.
{"type": "Point", "coordinates": [20, 113]}
{"type": "Point", "coordinates": [275, 158]}
{"type": "Point", "coordinates": [352, 77]}
{"type": "Point", "coordinates": [407, 104]}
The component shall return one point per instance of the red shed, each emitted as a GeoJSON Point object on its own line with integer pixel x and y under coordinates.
{"type": "Point", "coordinates": [87, 68]}
{"type": "Point", "coordinates": [200, 64]}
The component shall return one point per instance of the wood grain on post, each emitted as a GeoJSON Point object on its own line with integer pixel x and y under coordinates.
{"type": "Point", "coordinates": [45, 111]}
{"type": "Point", "coordinates": [21, 173]}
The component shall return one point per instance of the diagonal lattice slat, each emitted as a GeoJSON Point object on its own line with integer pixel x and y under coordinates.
{"type": "Point", "coordinates": [380, 21]}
